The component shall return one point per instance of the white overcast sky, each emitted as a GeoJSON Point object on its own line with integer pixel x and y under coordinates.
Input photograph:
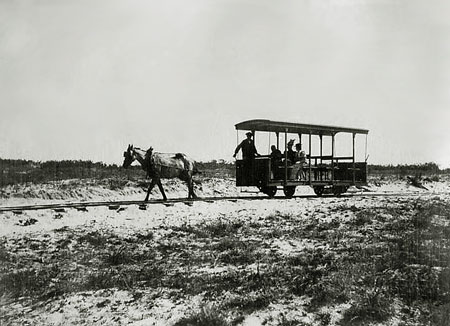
{"type": "Point", "coordinates": [81, 79]}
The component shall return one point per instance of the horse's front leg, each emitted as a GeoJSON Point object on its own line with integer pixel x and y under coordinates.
{"type": "Point", "coordinates": [161, 189]}
{"type": "Point", "coordinates": [150, 188]}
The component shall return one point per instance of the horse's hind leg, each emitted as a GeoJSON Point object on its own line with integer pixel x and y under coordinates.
{"type": "Point", "coordinates": [150, 188]}
{"type": "Point", "coordinates": [161, 189]}
{"type": "Point", "coordinates": [191, 193]}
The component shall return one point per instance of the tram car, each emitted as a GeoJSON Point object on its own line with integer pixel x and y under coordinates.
{"type": "Point", "coordinates": [288, 168]}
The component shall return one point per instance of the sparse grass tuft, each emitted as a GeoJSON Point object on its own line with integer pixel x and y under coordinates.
{"type": "Point", "coordinates": [369, 305]}
{"type": "Point", "coordinates": [221, 228]}
{"type": "Point", "coordinates": [434, 178]}
{"type": "Point", "coordinates": [324, 318]}
{"type": "Point", "coordinates": [4, 254]}
{"type": "Point", "coordinates": [145, 236]}
{"type": "Point", "coordinates": [205, 316]}
{"type": "Point", "coordinates": [118, 256]}
{"type": "Point", "coordinates": [103, 279]}
{"type": "Point", "coordinates": [251, 302]}
{"type": "Point", "coordinates": [362, 218]}
{"type": "Point", "coordinates": [117, 184]}
{"type": "Point", "coordinates": [440, 315]}
{"type": "Point", "coordinates": [234, 251]}
{"type": "Point", "coordinates": [36, 282]}
{"type": "Point", "coordinates": [215, 229]}
{"type": "Point", "coordinates": [93, 238]}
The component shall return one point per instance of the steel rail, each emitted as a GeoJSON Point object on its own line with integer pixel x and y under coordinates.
{"type": "Point", "coordinates": [191, 201]}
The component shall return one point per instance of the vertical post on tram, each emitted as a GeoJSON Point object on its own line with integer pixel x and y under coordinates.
{"type": "Point", "coordinates": [353, 157]}
{"type": "Point", "coordinates": [309, 145]}
{"type": "Point", "coordinates": [253, 160]}
{"type": "Point", "coordinates": [278, 139]}
{"type": "Point", "coordinates": [366, 157]}
{"type": "Point", "coordinates": [332, 157]}
{"type": "Point", "coordinates": [285, 156]}
{"type": "Point", "coordinates": [321, 147]}
{"type": "Point", "coordinates": [320, 172]}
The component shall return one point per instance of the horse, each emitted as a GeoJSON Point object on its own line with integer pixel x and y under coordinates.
{"type": "Point", "coordinates": [162, 166]}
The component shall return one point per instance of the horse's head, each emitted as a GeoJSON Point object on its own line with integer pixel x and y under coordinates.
{"type": "Point", "coordinates": [129, 156]}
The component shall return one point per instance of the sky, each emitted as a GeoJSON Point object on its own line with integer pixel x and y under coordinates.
{"type": "Point", "coordinates": [82, 79]}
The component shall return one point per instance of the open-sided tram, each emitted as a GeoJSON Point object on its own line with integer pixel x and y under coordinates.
{"type": "Point", "coordinates": [323, 172]}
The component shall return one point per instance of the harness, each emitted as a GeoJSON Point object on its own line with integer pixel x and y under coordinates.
{"type": "Point", "coordinates": [149, 163]}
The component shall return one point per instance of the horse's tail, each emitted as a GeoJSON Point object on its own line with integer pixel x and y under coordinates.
{"type": "Point", "coordinates": [196, 170]}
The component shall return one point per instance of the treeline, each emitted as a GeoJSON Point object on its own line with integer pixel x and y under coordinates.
{"type": "Point", "coordinates": [216, 168]}
{"type": "Point", "coordinates": [407, 169]}
{"type": "Point", "coordinates": [21, 171]}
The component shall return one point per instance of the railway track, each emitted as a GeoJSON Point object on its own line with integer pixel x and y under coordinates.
{"type": "Point", "coordinates": [171, 202]}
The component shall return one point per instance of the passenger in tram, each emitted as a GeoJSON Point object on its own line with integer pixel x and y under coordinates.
{"type": "Point", "coordinates": [300, 160]}
{"type": "Point", "coordinates": [290, 153]}
{"type": "Point", "coordinates": [275, 161]}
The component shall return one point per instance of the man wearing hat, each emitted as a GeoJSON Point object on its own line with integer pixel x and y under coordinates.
{"type": "Point", "coordinates": [248, 148]}
{"type": "Point", "coordinates": [248, 155]}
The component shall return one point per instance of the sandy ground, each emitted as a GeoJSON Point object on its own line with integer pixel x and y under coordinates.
{"type": "Point", "coordinates": [131, 217]}
{"type": "Point", "coordinates": [153, 307]}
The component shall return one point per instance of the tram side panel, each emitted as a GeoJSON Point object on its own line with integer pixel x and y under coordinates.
{"type": "Point", "coordinates": [344, 172]}
{"type": "Point", "coordinates": [252, 172]}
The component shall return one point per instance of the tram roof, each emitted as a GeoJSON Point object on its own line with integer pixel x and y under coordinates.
{"type": "Point", "coordinates": [297, 128]}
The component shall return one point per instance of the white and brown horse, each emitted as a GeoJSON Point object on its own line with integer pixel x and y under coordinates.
{"type": "Point", "coordinates": [162, 166]}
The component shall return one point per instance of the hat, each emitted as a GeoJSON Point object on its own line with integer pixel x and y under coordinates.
{"type": "Point", "coordinates": [291, 142]}
{"type": "Point", "coordinates": [249, 134]}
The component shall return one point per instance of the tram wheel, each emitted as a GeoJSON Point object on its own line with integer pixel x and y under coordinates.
{"type": "Point", "coordinates": [289, 191]}
{"type": "Point", "coordinates": [339, 190]}
{"type": "Point", "coordinates": [319, 190]}
{"type": "Point", "coordinates": [269, 191]}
